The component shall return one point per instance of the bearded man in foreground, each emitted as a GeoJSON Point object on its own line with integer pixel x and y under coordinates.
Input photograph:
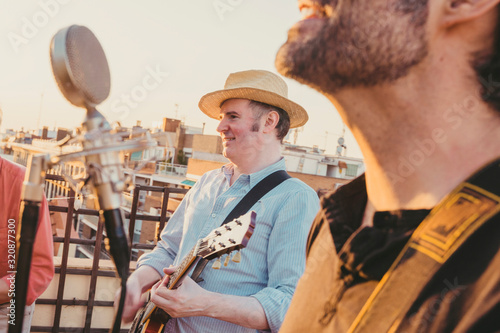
{"type": "Point", "coordinates": [414, 244]}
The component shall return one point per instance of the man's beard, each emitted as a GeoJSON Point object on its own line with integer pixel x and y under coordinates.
{"type": "Point", "coordinates": [363, 45]}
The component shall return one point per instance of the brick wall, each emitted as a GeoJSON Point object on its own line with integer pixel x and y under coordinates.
{"type": "Point", "coordinates": [199, 167]}
{"type": "Point", "coordinates": [318, 183]}
{"type": "Point", "coordinates": [207, 143]}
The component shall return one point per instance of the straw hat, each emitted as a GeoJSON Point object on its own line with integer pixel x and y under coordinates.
{"type": "Point", "coordinates": [257, 85]}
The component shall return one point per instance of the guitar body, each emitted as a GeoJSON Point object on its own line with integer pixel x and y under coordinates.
{"type": "Point", "coordinates": [154, 326]}
{"type": "Point", "coordinates": [150, 319]}
{"type": "Point", "coordinates": [223, 240]}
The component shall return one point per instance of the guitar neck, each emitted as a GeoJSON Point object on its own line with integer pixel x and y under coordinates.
{"type": "Point", "coordinates": [222, 240]}
{"type": "Point", "coordinates": [187, 263]}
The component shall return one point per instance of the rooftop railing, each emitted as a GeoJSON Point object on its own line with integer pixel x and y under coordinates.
{"type": "Point", "coordinates": [170, 169]}
{"type": "Point", "coordinates": [99, 268]}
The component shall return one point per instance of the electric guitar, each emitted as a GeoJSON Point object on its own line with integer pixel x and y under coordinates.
{"type": "Point", "coordinates": [231, 236]}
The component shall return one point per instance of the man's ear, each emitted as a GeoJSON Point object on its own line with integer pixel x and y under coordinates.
{"type": "Point", "coordinates": [272, 119]}
{"type": "Point", "coordinates": [460, 11]}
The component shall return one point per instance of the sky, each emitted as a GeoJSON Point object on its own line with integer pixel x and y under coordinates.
{"type": "Point", "coordinates": [181, 49]}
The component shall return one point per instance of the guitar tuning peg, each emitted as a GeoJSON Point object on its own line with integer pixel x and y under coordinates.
{"type": "Point", "coordinates": [217, 264]}
{"type": "Point", "coordinates": [237, 257]}
{"type": "Point", "coordinates": [226, 261]}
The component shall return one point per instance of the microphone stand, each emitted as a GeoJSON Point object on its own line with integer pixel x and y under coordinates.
{"type": "Point", "coordinates": [105, 172]}
{"type": "Point", "coordinates": [31, 199]}
{"type": "Point", "coordinates": [101, 151]}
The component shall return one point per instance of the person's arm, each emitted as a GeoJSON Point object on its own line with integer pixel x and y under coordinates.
{"type": "Point", "coordinates": [150, 265]}
{"type": "Point", "coordinates": [148, 271]}
{"type": "Point", "coordinates": [4, 290]}
{"type": "Point", "coordinates": [138, 283]}
{"type": "Point", "coordinates": [42, 264]}
{"type": "Point", "coordinates": [42, 260]}
{"type": "Point", "coordinates": [190, 300]}
{"type": "Point", "coordinates": [286, 253]}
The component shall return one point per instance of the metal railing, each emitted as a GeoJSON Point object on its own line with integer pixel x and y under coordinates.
{"type": "Point", "coordinates": [163, 168]}
{"type": "Point", "coordinates": [98, 247]}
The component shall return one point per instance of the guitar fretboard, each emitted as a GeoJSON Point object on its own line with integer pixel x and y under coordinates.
{"type": "Point", "coordinates": [183, 266]}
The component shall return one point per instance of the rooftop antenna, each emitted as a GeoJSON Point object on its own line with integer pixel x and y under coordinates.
{"type": "Point", "coordinates": [341, 148]}
{"type": "Point", "coordinates": [296, 134]}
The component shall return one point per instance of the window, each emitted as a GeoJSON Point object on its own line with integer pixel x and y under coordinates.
{"type": "Point", "coordinates": [352, 170]}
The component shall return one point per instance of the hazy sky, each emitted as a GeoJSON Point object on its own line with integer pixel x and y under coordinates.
{"type": "Point", "coordinates": [182, 49]}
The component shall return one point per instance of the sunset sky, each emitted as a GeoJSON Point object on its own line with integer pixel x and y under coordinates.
{"type": "Point", "coordinates": [190, 46]}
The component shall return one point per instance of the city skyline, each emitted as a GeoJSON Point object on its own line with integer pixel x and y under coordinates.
{"type": "Point", "coordinates": [163, 56]}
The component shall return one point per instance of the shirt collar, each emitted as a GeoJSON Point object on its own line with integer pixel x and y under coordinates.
{"type": "Point", "coordinates": [254, 178]}
{"type": "Point", "coordinates": [344, 211]}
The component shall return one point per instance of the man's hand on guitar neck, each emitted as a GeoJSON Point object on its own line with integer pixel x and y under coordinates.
{"type": "Point", "coordinates": [189, 300]}
{"type": "Point", "coordinates": [138, 283]}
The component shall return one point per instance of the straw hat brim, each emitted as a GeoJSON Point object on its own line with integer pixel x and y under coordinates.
{"type": "Point", "coordinates": [210, 103]}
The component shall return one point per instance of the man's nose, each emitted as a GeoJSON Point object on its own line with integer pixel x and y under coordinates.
{"type": "Point", "coordinates": [222, 126]}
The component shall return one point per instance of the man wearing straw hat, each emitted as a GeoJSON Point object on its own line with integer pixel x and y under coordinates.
{"type": "Point", "coordinates": [254, 115]}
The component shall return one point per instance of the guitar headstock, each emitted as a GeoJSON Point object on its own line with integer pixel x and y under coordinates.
{"type": "Point", "coordinates": [231, 236]}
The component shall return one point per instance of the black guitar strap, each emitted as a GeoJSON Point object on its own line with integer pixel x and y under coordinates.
{"type": "Point", "coordinates": [472, 204]}
{"type": "Point", "coordinates": [257, 192]}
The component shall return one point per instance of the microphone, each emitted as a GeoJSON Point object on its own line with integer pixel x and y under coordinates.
{"type": "Point", "coordinates": [81, 70]}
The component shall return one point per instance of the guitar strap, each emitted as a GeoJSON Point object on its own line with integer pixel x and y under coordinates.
{"type": "Point", "coordinates": [257, 192]}
{"type": "Point", "coordinates": [469, 206]}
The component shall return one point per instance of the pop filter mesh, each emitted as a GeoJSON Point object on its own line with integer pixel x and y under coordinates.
{"type": "Point", "coordinates": [88, 65]}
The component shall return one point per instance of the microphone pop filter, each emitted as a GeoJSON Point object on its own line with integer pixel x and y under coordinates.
{"type": "Point", "coordinates": [80, 66]}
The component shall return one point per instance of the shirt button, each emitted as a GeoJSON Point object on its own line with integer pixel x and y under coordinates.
{"type": "Point", "coordinates": [213, 215]}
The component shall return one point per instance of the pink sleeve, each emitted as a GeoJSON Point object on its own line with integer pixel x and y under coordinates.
{"type": "Point", "coordinates": [42, 264]}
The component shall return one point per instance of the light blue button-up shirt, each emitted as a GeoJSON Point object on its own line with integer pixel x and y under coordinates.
{"type": "Point", "coordinates": [274, 258]}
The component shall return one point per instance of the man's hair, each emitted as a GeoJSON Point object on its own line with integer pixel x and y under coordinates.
{"type": "Point", "coordinates": [488, 70]}
{"type": "Point", "coordinates": [284, 122]}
